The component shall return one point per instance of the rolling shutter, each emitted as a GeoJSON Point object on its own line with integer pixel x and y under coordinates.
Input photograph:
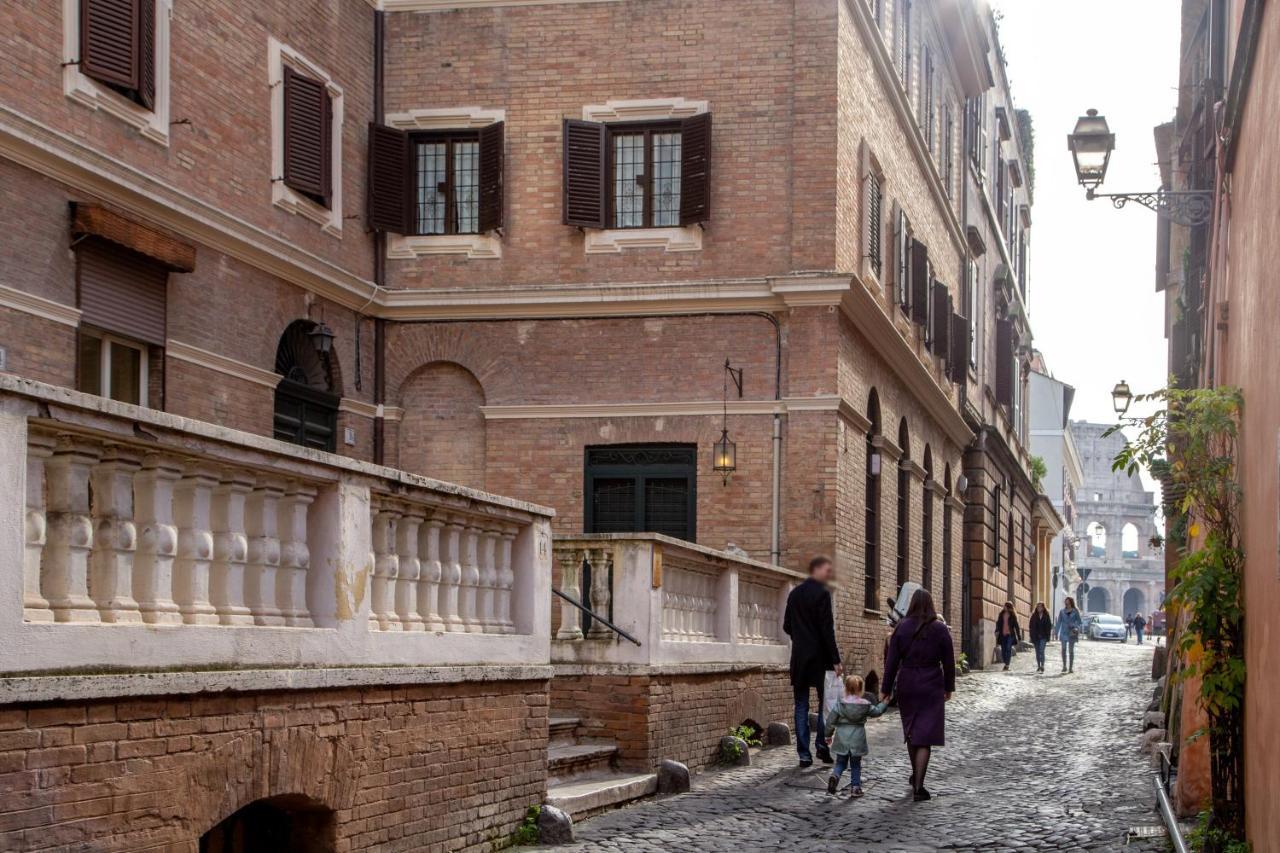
{"type": "Point", "coordinates": [940, 320]}
{"type": "Point", "coordinates": [110, 42]}
{"type": "Point", "coordinates": [1004, 362]}
{"type": "Point", "coordinates": [491, 164]}
{"type": "Point", "coordinates": [389, 171]}
{"type": "Point", "coordinates": [584, 173]}
{"type": "Point", "coordinates": [920, 279]}
{"type": "Point", "coordinates": [121, 291]}
{"type": "Point", "coordinates": [695, 169]}
{"type": "Point", "coordinates": [959, 358]}
{"type": "Point", "coordinates": [307, 123]}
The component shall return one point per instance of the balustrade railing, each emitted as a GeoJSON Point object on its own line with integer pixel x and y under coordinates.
{"type": "Point", "coordinates": [687, 604]}
{"type": "Point", "coordinates": [245, 551]}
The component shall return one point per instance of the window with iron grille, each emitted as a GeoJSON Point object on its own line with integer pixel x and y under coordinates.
{"type": "Point", "coordinates": [946, 553]}
{"type": "Point", "coordinates": [446, 188]}
{"type": "Point", "coordinates": [872, 495]}
{"type": "Point", "coordinates": [926, 531]}
{"type": "Point", "coordinates": [644, 175]}
{"type": "Point", "coordinates": [995, 527]}
{"type": "Point", "coordinates": [976, 132]}
{"type": "Point", "coordinates": [641, 489]}
{"type": "Point", "coordinates": [874, 244]}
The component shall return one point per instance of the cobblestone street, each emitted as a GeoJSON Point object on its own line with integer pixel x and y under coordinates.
{"type": "Point", "coordinates": [1032, 762]}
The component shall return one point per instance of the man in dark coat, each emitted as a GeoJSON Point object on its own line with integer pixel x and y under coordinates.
{"type": "Point", "coordinates": [810, 624]}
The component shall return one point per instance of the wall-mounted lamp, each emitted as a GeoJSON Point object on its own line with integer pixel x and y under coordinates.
{"type": "Point", "coordinates": [724, 453]}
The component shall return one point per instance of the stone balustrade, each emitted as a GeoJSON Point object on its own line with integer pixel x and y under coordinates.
{"type": "Point", "coordinates": [685, 603]}
{"type": "Point", "coordinates": [149, 541]}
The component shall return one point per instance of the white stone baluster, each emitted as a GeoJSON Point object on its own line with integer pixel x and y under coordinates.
{"type": "Point", "coordinates": [410, 571]}
{"type": "Point", "coordinates": [157, 540]}
{"type": "Point", "coordinates": [193, 511]}
{"type": "Point", "coordinates": [486, 598]}
{"type": "Point", "coordinates": [601, 593]}
{"type": "Point", "coordinates": [386, 564]}
{"type": "Point", "coordinates": [261, 526]}
{"type": "Point", "coordinates": [506, 581]}
{"type": "Point", "coordinates": [295, 556]}
{"type": "Point", "coordinates": [64, 576]}
{"type": "Point", "coordinates": [230, 549]}
{"type": "Point", "coordinates": [451, 575]}
{"type": "Point", "coordinates": [115, 538]}
{"type": "Point", "coordinates": [429, 577]}
{"type": "Point", "coordinates": [35, 608]}
{"type": "Point", "coordinates": [570, 577]}
{"type": "Point", "coordinates": [470, 580]}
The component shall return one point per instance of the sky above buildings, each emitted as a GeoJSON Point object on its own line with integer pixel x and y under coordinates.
{"type": "Point", "coordinates": [1094, 310]}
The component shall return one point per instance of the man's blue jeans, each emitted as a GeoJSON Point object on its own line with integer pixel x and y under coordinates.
{"type": "Point", "coordinates": [854, 763]}
{"type": "Point", "coordinates": [802, 721]}
{"type": "Point", "coordinates": [1138, 631]}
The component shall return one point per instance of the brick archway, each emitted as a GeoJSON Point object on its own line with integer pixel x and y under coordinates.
{"type": "Point", "coordinates": [442, 431]}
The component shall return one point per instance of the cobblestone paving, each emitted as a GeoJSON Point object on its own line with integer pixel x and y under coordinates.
{"type": "Point", "coordinates": [1032, 762]}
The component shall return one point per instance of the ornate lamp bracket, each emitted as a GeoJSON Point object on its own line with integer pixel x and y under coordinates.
{"type": "Point", "coordinates": [1190, 207]}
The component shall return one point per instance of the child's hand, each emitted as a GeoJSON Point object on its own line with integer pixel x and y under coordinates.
{"type": "Point", "coordinates": [830, 740]}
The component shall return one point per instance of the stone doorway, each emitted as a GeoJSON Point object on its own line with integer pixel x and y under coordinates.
{"type": "Point", "coordinates": [291, 823]}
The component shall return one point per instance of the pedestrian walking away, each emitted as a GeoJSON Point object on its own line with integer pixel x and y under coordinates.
{"type": "Point", "coordinates": [809, 623]}
{"type": "Point", "coordinates": [1139, 625]}
{"type": "Point", "coordinates": [920, 671]}
{"type": "Point", "coordinates": [1008, 633]}
{"type": "Point", "coordinates": [1128, 626]}
{"type": "Point", "coordinates": [1069, 624]}
{"type": "Point", "coordinates": [846, 730]}
{"type": "Point", "coordinates": [1041, 630]}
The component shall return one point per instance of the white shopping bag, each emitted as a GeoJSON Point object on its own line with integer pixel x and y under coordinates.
{"type": "Point", "coordinates": [832, 691]}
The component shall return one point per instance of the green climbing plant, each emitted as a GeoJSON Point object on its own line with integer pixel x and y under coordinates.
{"type": "Point", "coordinates": [748, 733]}
{"type": "Point", "coordinates": [527, 832]}
{"type": "Point", "coordinates": [1038, 470]}
{"type": "Point", "coordinates": [1190, 440]}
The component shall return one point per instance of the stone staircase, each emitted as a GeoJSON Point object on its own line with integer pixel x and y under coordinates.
{"type": "Point", "coordinates": [583, 777]}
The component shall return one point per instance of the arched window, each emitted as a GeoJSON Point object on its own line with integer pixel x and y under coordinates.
{"type": "Point", "coordinates": [1097, 536]}
{"type": "Point", "coordinates": [995, 526]}
{"type": "Point", "coordinates": [926, 523]}
{"type": "Point", "coordinates": [872, 568]}
{"type": "Point", "coordinates": [1129, 541]}
{"type": "Point", "coordinates": [306, 405]}
{"type": "Point", "coordinates": [946, 544]}
{"type": "Point", "coordinates": [904, 504]}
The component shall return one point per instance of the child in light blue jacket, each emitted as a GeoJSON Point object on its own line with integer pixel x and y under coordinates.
{"type": "Point", "coordinates": [847, 734]}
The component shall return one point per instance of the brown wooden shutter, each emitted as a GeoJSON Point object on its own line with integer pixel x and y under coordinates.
{"type": "Point", "coordinates": [1004, 362]}
{"type": "Point", "coordinates": [940, 320]}
{"type": "Point", "coordinates": [147, 54]}
{"type": "Point", "coordinates": [584, 171]}
{"type": "Point", "coordinates": [920, 279]}
{"type": "Point", "coordinates": [492, 154]}
{"type": "Point", "coordinates": [121, 291]}
{"type": "Point", "coordinates": [306, 135]}
{"type": "Point", "coordinates": [959, 359]}
{"type": "Point", "coordinates": [695, 169]}
{"type": "Point", "coordinates": [389, 179]}
{"type": "Point", "coordinates": [110, 41]}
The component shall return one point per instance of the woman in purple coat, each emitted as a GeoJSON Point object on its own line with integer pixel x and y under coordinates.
{"type": "Point", "coordinates": [921, 664]}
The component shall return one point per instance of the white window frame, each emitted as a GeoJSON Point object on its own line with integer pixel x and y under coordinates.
{"type": "Point", "coordinates": [84, 90]}
{"type": "Point", "coordinates": [105, 340]}
{"type": "Point", "coordinates": [669, 238]}
{"type": "Point", "coordinates": [871, 167]}
{"type": "Point", "coordinates": [487, 246]}
{"type": "Point", "coordinates": [328, 218]}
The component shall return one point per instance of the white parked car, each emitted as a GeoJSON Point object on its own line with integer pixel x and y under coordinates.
{"type": "Point", "coordinates": [1104, 626]}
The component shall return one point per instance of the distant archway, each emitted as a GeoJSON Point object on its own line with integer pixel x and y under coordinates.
{"type": "Point", "coordinates": [1134, 601]}
{"type": "Point", "coordinates": [1129, 541]}
{"type": "Point", "coordinates": [308, 393]}
{"type": "Point", "coordinates": [442, 433]}
{"type": "Point", "coordinates": [291, 822]}
{"type": "Point", "coordinates": [1099, 601]}
{"type": "Point", "coordinates": [1096, 535]}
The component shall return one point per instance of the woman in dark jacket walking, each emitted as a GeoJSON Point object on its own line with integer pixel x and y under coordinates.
{"type": "Point", "coordinates": [1041, 630]}
{"type": "Point", "coordinates": [921, 665]}
{"type": "Point", "coordinates": [1008, 633]}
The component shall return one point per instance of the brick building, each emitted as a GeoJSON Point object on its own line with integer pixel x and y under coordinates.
{"type": "Point", "coordinates": [548, 250]}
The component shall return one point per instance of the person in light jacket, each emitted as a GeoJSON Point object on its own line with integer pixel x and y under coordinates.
{"type": "Point", "coordinates": [1041, 630]}
{"type": "Point", "coordinates": [1069, 625]}
{"type": "Point", "coordinates": [846, 731]}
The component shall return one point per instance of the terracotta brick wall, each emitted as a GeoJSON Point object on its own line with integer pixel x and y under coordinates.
{"type": "Point", "coordinates": [441, 768]}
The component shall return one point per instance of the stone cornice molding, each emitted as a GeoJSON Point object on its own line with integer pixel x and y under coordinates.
{"type": "Point", "coordinates": [458, 5]}
{"type": "Point", "coordinates": [38, 306]}
{"type": "Point", "coordinates": [446, 118]}
{"type": "Point", "coordinates": [955, 503]}
{"type": "Point", "coordinates": [887, 448]}
{"type": "Point", "coordinates": [221, 363]}
{"type": "Point", "coordinates": [655, 409]}
{"type": "Point", "coordinates": [909, 465]}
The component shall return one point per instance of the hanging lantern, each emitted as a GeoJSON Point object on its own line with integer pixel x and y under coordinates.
{"type": "Point", "coordinates": [1121, 397]}
{"type": "Point", "coordinates": [724, 455]}
{"type": "Point", "coordinates": [321, 338]}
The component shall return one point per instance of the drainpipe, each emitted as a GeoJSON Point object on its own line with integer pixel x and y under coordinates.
{"type": "Point", "coordinates": [379, 258]}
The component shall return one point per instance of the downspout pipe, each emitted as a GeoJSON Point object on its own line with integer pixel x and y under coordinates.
{"type": "Point", "coordinates": [379, 256]}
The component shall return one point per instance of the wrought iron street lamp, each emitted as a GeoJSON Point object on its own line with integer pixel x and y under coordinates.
{"type": "Point", "coordinates": [1091, 144]}
{"type": "Point", "coordinates": [321, 337]}
{"type": "Point", "coordinates": [1121, 397]}
{"type": "Point", "coordinates": [724, 453]}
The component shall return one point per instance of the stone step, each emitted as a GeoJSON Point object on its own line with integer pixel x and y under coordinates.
{"type": "Point", "coordinates": [562, 728]}
{"type": "Point", "coordinates": [582, 798]}
{"type": "Point", "coordinates": [574, 759]}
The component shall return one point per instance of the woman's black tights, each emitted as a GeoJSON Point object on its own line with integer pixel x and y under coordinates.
{"type": "Point", "coordinates": [919, 764]}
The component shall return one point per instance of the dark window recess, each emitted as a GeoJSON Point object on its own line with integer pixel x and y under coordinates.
{"type": "Point", "coordinates": [308, 125]}
{"type": "Point", "coordinates": [871, 593]}
{"type": "Point", "coordinates": [306, 402]}
{"type": "Point", "coordinates": [920, 276]}
{"type": "Point", "coordinates": [940, 320]}
{"type": "Point", "coordinates": [640, 175]}
{"type": "Point", "coordinates": [875, 252]}
{"type": "Point", "coordinates": [118, 46]}
{"type": "Point", "coordinates": [641, 489]}
{"type": "Point", "coordinates": [946, 555]}
{"type": "Point", "coordinates": [904, 554]}
{"type": "Point", "coordinates": [286, 822]}
{"type": "Point", "coordinates": [959, 358]}
{"type": "Point", "coordinates": [926, 533]}
{"type": "Point", "coordinates": [902, 256]}
{"type": "Point", "coordinates": [1004, 362]}
{"type": "Point", "coordinates": [995, 526]}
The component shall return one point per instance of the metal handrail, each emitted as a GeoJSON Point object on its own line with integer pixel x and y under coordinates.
{"type": "Point", "coordinates": [597, 617]}
{"type": "Point", "coordinates": [1170, 820]}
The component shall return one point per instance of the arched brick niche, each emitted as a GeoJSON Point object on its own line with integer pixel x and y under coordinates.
{"type": "Point", "coordinates": [442, 431]}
